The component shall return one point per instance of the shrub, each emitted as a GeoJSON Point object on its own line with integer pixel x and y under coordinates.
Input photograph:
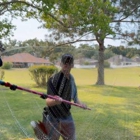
{"type": "Point", "coordinates": [106, 64]}
{"type": "Point", "coordinates": [86, 63]}
{"type": "Point", "coordinates": [7, 65]}
{"type": "Point", "coordinates": [41, 73]}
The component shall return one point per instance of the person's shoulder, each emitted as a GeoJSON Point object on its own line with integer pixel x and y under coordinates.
{"type": "Point", "coordinates": [54, 75]}
{"type": "Point", "coordinates": [72, 77]}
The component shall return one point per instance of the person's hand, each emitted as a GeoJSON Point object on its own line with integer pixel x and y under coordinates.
{"type": "Point", "coordinates": [58, 100]}
{"type": "Point", "coordinates": [83, 105]}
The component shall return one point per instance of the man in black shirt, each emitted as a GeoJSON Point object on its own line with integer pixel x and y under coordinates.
{"type": "Point", "coordinates": [62, 86]}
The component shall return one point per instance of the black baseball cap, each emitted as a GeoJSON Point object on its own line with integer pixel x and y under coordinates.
{"type": "Point", "coordinates": [67, 59]}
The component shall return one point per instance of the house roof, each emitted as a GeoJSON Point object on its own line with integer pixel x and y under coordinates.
{"type": "Point", "coordinates": [24, 58]}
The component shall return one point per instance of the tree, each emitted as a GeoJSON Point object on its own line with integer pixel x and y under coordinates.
{"type": "Point", "coordinates": [8, 11]}
{"type": "Point", "coordinates": [92, 20]}
{"type": "Point", "coordinates": [74, 21]}
{"type": "Point", "coordinates": [25, 9]}
{"type": "Point", "coordinates": [85, 50]}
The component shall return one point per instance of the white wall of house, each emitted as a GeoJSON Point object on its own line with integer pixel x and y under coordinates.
{"type": "Point", "coordinates": [124, 66]}
{"type": "Point", "coordinates": [30, 64]}
{"type": "Point", "coordinates": [84, 66]}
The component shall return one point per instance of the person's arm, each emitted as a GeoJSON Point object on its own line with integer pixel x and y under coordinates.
{"type": "Point", "coordinates": [52, 102]}
{"type": "Point", "coordinates": [73, 90]}
{"type": "Point", "coordinates": [74, 93]}
{"type": "Point", "coordinates": [81, 103]}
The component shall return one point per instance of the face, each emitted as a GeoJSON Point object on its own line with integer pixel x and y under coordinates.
{"type": "Point", "coordinates": [66, 68]}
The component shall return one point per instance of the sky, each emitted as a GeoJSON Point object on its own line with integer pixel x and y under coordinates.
{"type": "Point", "coordinates": [29, 30]}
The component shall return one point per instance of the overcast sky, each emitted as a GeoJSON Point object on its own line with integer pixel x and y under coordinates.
{"type": "Point", "coordinates": [29, 30]}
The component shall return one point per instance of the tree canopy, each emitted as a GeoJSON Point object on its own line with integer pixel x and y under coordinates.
{"type": "Point", "coordinates": [92, 20]}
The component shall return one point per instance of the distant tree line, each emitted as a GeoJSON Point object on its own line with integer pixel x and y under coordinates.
{"type": "Point", "coordinates": [125, 51]}
{"type": "Point", "coordinates": [45, 49]}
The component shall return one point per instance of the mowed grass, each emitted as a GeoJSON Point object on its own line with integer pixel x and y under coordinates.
{"type": "Point", "coordinates": [115, 113]}
{"type": "Point", "coordinates": [116, 77]}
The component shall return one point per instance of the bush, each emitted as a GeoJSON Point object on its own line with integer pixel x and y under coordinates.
{"type": "Point", "coordinates": [106, 64]}
{"type": "Point", "coordinates": [41, 73]}
{"type": "Point", "coordinates": [86, 63]}
{"type": "Point", "coordinates": [7, 65]}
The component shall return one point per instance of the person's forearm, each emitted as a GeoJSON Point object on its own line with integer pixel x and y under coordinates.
{"type": "Point", "coordinates": [50, 102]}
{"type": "Point", "coordinates": [82, 104]}
{"type": "Point", "coordinates": [78, 101]}
{"type": "Point", "coordinates": [53, 102]}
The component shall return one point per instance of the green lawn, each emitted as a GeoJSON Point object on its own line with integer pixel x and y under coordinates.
{"type": "Point", "coordinates": [115, 113]}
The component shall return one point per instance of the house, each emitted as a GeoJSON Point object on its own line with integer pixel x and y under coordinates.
{"type": "Point", "coordinates": [120, 61]}
{"type": "Point", "coordinates": [24, 60]}
{"type": "Point", "coordinates": [81, 63]}
{"type": "Point", "coordinates": [137, 59]}
{"type": "Point", "coordinates": [85, 63]}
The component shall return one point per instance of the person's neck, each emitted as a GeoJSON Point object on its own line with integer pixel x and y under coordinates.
{"type": "Point", "coordinates": [66, 75]}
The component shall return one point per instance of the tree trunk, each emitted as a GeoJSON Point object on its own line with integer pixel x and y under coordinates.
{"type": "Point", "coordinates": [100, 79]}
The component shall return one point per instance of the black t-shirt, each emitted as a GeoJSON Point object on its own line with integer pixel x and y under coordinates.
{"type": "Point", "coordinates": [62, 87]}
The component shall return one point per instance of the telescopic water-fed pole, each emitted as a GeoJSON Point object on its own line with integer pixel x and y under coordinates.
{"type": "Point", "coordinates": [42, 95]}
